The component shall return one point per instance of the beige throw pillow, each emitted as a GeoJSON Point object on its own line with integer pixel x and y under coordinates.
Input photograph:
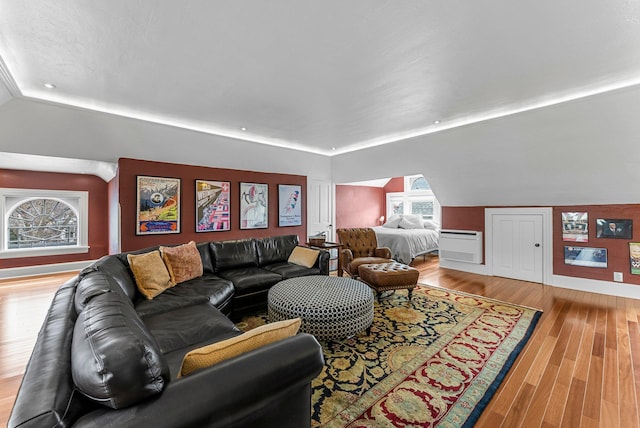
{"type": "Point", "coordinates": [303, 256]}
{"type": "Point", "coordinates": [150, 272]}
{"type": "Point", "coordinates": [253, 339]}
{"type": "Point", "coordinates": [183, 262]}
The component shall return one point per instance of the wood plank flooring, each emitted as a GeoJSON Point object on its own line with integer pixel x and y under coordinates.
{"type": "Point", "coordinates": [581, 367]}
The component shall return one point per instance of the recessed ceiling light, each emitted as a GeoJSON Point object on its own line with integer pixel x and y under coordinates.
{"type": "Point", "coordinates": [333, 148]}
{"type": "Point", "coordinates": [435, 122]}
{"type": "Point", "coordinates": [49, 85]}
{"type": "Point", "coordinates": [243, 129]}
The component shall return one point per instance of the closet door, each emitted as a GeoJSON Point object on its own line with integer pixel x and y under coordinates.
{"type": "Point", "coordinates": [517, 246]}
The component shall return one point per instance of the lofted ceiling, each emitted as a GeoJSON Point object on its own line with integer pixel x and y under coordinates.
{"type": "Point", "coordinates": [327, 77]}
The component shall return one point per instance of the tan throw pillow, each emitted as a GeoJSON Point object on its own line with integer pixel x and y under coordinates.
{"type": "Point", "coordinates": [183, 262]}
{"type": "Point", "coordinates": [151, 275]}
{"type": "Point", "coordinates": [253, 339]}
{"type": "Point", "coordinates": [303, 256]}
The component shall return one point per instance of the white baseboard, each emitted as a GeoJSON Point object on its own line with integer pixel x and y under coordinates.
{"type": "Point", "coordinates": [465, 267]}
{"type": "Point", "coordinates": [619, 289]}
{"type": "Point", "coordinates": [43, 269]}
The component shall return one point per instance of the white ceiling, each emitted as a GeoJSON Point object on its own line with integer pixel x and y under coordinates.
{"type": "Point", "coordinates": [315, 75]}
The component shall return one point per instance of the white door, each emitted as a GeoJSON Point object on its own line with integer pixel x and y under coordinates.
{"type": "Point", "coordinates": [517, 246]}
{"type": "Point", "coordinates": [320, 207]}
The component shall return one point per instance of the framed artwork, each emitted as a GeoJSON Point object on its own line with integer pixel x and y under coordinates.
{"type": "Point", "coordinates": [585, 256]}
{"type": "Point", "coordinates": [213, 206]}
{"type": "Point", "coordinates": [158, 205]}
{"type": "Point", "coordinates": [575, 226]}
{"type": "Point", "coordinates": [289, 205]}
{"type": "Point", "coordinates": [254, 206]}
{"type": "Point", "coordinates": [634, 257]}
{"type": "Point", "coordinates": [614, 228]}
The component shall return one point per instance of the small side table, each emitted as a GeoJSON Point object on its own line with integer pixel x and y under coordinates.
{"type": "Point", "coordinates": [329, 246]}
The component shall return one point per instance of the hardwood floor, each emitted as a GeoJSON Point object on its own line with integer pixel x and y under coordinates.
{"type": "Point", "coordinates": [581, 367]}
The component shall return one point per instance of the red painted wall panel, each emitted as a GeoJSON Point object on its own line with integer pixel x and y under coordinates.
{"type": "Point", "coordinates": [128, 169]}
{"type": "Point", "coordinates": [359, 206]}
{"type": "Point", "coordinates": [98, 211]}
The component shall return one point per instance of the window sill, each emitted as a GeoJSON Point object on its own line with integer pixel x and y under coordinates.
{"type": "Point", "coordinates": [40, 252]}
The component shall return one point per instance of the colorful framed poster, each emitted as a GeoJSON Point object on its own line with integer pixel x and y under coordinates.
{"type": "Point", "coordinates": [213, 206]}
{"type": "Point", "coordinates": [585, 256]}
{"type": "Point", "coordinates": [634, 257]}
{"type": "Point", "coordinates": [254, 206]}
{"type": "Point", "coordinates": [575, 227]}
{"type": "Point", "coordinates": [614, 228]}
{"type": "Point", "coordinates": [158, 205]}
{"type": "Point", "coordinates": [289, 205]}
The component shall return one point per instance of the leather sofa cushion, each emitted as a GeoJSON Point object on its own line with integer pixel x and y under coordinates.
{"type": "Point", "coordinates": [94, 283]}
{"type": "Point", "coordinates": [184, 327]}
{"type": "Point", "coordinates": [250, 279]}
{"type": "Point", "coordinates": [220, 351]}
{"type": "Point", "coordinates": [275, 249]}
{"type": "Point", "coordinates": [119, 272]}
{"type": "Point", "coordinates": [290, 270]}
{"type": "Point", "coordinates": [204, 248]}
{"type": "Point", "coordinates": [183, 262]}
{"type": "Point", "coordinates": [207, 288]}
{"type": "Point", "coordinates": [115, 361]}
{"type": "Point", "coordinates": [234, 254]}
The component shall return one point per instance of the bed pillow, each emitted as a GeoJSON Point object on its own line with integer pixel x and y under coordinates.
{"type": "Point", "coordinates": [430, 224]}
{"type": "Point", "coordinates": [411, 221]}
{"type": "Point", "coordinates": [393, 221]}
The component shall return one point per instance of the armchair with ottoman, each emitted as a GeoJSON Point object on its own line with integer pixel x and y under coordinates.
{"type": "Point", "coordinates": [360, 246]}
{"type": "Point", "coordinates": [129, 342]}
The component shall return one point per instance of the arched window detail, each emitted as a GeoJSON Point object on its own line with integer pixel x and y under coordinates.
{"type": "Point", "coordinates": [38, 223]}
{"type": "Point", "coordinates": [35, 222]}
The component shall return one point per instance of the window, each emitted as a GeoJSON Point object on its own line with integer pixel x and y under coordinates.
{"type": "Point", "coordinates": [418, 198]}
{"type": "Point", "coordinates": [43, 222]}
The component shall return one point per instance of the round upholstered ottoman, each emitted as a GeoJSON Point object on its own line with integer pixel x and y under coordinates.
{"type": "Point", "coordinates": [330, 307]}
{"type": "Point", "coordinates": [389, 276]}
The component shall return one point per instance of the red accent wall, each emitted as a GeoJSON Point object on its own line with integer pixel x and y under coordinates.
{"type": "Point", "coordinates": [359, 206]}
{"type": "Point", "coordinates": [472, 218]}
{"type": "Point", "coordinates": [98, 211]}
{"type": "Point", "coordinates": [128, 169]}
{"type": "Point", "coordinates": [396, 184]}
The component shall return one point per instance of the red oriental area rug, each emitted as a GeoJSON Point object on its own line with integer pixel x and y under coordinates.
{"type": "Point", "coordinates": [434, 361]}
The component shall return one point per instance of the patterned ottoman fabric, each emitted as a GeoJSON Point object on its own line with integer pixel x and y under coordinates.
{"type": "Point", "coordinates": [330, 307]}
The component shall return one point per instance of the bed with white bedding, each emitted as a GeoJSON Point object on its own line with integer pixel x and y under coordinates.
{"type": "Point", "coordinates": [407, 244]}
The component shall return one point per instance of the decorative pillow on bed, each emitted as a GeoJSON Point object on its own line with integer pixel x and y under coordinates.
{"type": "Point", "coordinates": [393, 221]}
{"type": "Point", "coordinates": [411, 221]}
{"type": "Point", "coordinates": [431, 225]}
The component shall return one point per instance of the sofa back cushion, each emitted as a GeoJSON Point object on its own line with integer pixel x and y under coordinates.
{"type": "Point", "coordinates": [119, 273]}
{"type": "Point", "coordinates": [275, 249]}
{"type": "Point", "coordinates": [93, 282]}
{"type": "Point", "coordinates": [234, 254]}
{"type": "Point", "coordinates": [205, 254]}
{"type": "Point", "coordinates": [114, 359]}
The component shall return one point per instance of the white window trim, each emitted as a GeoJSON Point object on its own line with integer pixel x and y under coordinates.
{"type": "Point", "coordinates": [79, 200]}
{"type": "Point", "coordinates": [411, 195]}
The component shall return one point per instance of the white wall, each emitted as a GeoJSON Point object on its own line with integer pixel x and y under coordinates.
{"type": "Point", "coordinates": [32, 127]}
{"type": "Point", "coordinates": [581, 152]}
{"type": "Point", "coordinates": [5, 95]}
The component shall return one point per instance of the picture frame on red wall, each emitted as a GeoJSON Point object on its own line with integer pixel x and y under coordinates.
{"type": "Point", "coordinates": [254, 206]}
{"type": "Point", "coordinates": [157, 205]}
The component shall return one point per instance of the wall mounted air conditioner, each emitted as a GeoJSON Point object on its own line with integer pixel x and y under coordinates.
{"type": "Point", "coordinates": [461, 245]}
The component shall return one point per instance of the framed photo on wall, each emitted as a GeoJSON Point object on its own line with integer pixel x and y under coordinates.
{"type": "Point", "coordinates": [254, 206]}
{"type": "Point", "coordinates": [575, 226]}
{"type": "Point", "coordinates": [289, 205]}
{"type": "Point", "coordinates": [158, 205]}
{"type": "Point", "coordinates": [213, 206]}
{"type": "Point", "coordinates": [614, 228]}
{"type": "Point", "coordinates": [634, 257]}
{"type": "Point", "coordinates": [585, 256]}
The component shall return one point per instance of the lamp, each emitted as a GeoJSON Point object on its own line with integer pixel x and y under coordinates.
{"type": "Point", "coordinates": [381, 219]}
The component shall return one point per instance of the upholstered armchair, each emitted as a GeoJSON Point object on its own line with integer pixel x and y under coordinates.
{"type": "Point", "coordinates": [360, 247]}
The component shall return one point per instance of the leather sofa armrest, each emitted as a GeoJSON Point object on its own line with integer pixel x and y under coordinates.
{"type": "Point", "coordinates": [384, 252]}
{"type": "Point", "coordinates": [347, 258]}
{"type": "Point", "coordinates": [323, 262]}
{"type": "Point", "coordinates": [259, 388]}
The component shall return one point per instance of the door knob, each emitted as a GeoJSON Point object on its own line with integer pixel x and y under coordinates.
{"type": "Point", "coordinates": [537, 244]}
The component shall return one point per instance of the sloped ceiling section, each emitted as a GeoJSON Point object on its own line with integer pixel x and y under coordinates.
{"type": "Point", "coordinates": [47, 129]}
{"type": "Point", "coordinates": [581, 152]}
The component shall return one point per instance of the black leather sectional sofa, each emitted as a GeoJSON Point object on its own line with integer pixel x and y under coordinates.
{"type": "Point", "coordinates": [107, 357]}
